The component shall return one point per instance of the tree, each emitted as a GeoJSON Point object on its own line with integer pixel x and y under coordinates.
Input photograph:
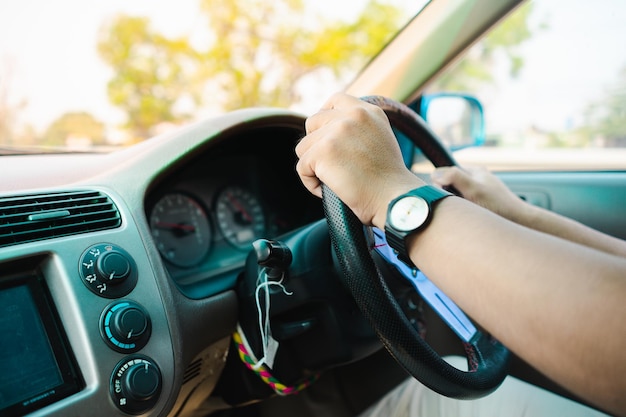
{"type": "Point", "coordinates": [153, 74]}
{"type": "Point", "coordinates": [9, 109]}
{"type": "Point", "coordinates": [259, 53]}
{"type": "Point", "coordinates": [265, 48]}
{"type": "Point", "coordinates": [475, 69]}
{"type": "Point", "coordinates": [75, 125]}
{"type": "Point", "coordinates": [606, 118]}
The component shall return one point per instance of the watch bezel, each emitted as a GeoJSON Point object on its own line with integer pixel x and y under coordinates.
{"type": "Point", "coordinates": [408, 213]}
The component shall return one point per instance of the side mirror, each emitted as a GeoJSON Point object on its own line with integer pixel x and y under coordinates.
{"type": "Point", "coordinates": [458, 119]}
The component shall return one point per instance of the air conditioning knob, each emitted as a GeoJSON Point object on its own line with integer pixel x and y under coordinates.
{"type": "Point", "coordinates": [125, 326]}
{"type": "Point", "coordinates": [136, 384]}
{"type": "Point", "coordinates": [113, 267]}
{"type": "Point", "coordinates": [108, 270]}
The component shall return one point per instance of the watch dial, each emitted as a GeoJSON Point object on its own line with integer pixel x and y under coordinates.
{"type": "Point", "coordinates": [408, 213]}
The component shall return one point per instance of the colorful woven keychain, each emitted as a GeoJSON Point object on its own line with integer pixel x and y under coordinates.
{"type": "Point", "coordinates": [264, 372]}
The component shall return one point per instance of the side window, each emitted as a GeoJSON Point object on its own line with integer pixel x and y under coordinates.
{"type": "Point", "coordinates": [551, 78]}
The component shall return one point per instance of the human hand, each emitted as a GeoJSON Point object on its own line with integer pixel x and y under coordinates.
{"type": "Point", "coordinates": [351, 148]}
{"type": "Point", "coordinates": [483, 188]}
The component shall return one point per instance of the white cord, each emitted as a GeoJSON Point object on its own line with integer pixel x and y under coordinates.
{"type": "Point", "coordinates": [264, 319]}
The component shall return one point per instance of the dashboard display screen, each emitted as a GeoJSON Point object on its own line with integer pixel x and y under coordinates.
{"type": "Point", "coordinates": [36, 367]}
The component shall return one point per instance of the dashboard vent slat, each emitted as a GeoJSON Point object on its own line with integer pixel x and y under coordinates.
{"type": "Point", "coordinates": [30, 218]}
{"type": "Point", "coordinates": [193, 370]}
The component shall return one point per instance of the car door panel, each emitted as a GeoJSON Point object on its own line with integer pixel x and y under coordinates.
{"type": "Point", "coordinates": [596, 199]}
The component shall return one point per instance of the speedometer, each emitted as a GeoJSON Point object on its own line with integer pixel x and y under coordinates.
{"type": "Point", "coordinates": [239, 216]}
{"type": "Point", "coordinates": [180, 228]}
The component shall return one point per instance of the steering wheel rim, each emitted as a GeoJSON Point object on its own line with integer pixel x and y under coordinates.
{"type": "Point", "coordinates": [487, 358]}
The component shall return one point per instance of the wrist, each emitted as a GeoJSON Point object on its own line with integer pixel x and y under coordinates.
{"type": "Point", "coordinates": [524, 214]}
{"type": "Point", "coordinates": [380, 217]}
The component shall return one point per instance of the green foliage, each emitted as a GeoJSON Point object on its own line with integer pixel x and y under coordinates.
{"type": "Point", "coordinates": [266, 48]}
{"type": "Point", "coordinates": [74, 125]}
{"type": "Point", "coordinates": [475, 69]}
{"type": "Point", "coordinates": [152, 73]}
{"type": "Point", "coordinates": [259, 53]}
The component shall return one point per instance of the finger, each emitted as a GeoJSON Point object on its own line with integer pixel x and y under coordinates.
{"type": "Point", "coordinates": [441, 176]}
{"type": "Point", "coordinates": [340, 100]}
{"type": "Point", "coordinates": [308, 178]}
{"type": "Point", "coordinates": [306, 143]}
{"type": "Point", "coordinates": [452, 176]}
{"type": "Point", "coordinates": [319, 119]}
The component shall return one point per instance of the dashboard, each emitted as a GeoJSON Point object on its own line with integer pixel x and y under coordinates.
{"type": "Point", "coordinates": [122, 267]}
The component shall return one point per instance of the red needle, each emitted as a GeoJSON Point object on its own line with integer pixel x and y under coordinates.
{"type": "Point", "coordinates": [237, 205]}
{"type": "Point", "coordinates": [185, 227]}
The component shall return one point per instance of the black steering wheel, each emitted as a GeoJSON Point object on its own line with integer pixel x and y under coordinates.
{"type": "Point", "coordinates": [487, 358]}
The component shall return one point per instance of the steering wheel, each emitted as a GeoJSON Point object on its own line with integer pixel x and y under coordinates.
{"type": "Point", "coordinates": [487, 358]}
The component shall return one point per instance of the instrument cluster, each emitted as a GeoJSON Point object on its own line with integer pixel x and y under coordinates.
{"type": "Point", "coordinates": [204, 217]}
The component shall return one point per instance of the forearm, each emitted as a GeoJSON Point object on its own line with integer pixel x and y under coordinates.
{"type": "Point", "coordinates": [549, 222]}
{"type": "Point", "coordinates": [557, 304]}
{"type": "Point", "coordinates": [485, 189]}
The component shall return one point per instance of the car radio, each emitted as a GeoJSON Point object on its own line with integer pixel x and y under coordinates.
{"type": "Point", "coordinates": [38, 367]}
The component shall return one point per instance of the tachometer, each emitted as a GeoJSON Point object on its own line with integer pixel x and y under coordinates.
{"type": "Point", "coordinates": [181, 230]}
{"type": "Point", "coordinates": [239, 216]}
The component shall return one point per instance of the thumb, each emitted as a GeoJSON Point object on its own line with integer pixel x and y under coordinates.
{"type": "Point", "coordinates": [444, 176]}
{"type": "Point", "coordinates": [452, 176]}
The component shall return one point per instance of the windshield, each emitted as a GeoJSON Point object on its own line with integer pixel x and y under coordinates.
{"type": "Point", "coordinates": [81, 75]}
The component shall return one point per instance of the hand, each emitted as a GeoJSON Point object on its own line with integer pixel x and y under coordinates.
{"type": "Point", "coordinates": [351, 148]}
{"type": "Point", "coordinates": [483, 188]}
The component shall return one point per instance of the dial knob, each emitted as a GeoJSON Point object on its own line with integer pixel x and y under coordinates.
{"type": "Point", "coordinates": [136, 384]}
{"type": "Point", "coordinates": [108, 270]}
{"type": "Point", "coordinates": [125, 326]}
{"type": "Point", "coordinates": [141, 381]}
{"type": "Point", "coordinates": [113, 267]}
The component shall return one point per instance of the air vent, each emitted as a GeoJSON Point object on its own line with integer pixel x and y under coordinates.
{"type": "Point", "coordinates": [193, 370]}
{"type": "Point", "coordinates": [29, 218]}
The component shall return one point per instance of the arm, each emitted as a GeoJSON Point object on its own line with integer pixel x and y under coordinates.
{"type": "Point", "coordinates": [557, 304]}
{"type": "Point", "coordinates": [485, 189]}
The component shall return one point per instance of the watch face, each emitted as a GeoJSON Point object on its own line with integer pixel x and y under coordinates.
{"type": "Point", "coordinates": [408, 213]}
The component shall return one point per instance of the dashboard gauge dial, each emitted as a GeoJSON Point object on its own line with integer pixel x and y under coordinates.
{"type": "Point", "coordinates": [239, 216]}
{"type": "Point", "coordinates": [181, 230]}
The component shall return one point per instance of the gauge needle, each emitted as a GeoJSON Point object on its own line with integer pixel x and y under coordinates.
{"type": "Point", "coordinates": [176, 226]}
{"type": "Point", "coordinates": [239, 208]}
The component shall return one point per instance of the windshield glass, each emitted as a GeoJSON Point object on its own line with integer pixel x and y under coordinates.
{"type": "Point", "coordinates": [91, 75]}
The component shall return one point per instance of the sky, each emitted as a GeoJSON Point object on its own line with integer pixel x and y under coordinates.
{"type": "Point", "coordinates": [48, 50]}
{"type": "Point", "coordinates": [55, 79]}
{"type": "Point", "coordinates": [574, 61]}
{"type": "Point", "coordinates": [48, 56]}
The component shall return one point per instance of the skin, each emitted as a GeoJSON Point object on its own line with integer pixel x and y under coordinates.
{"type": "Point", "coordinates": [553, 295]}
{"type": "Point", "coordinates": [485, 189]}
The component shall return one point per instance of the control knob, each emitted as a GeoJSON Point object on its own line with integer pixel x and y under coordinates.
{"type": "Point", "coordinates": [108, 270]}
{"type": "Point", "coordinates": [113, 267]}
{"type": "Point", "coordinates": [125, 326]}
{"type": "Point", "coordinates": [136, 384]}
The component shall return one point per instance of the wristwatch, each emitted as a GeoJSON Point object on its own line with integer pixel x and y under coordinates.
{"type": "Point", "coordinates": [408, 214]}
